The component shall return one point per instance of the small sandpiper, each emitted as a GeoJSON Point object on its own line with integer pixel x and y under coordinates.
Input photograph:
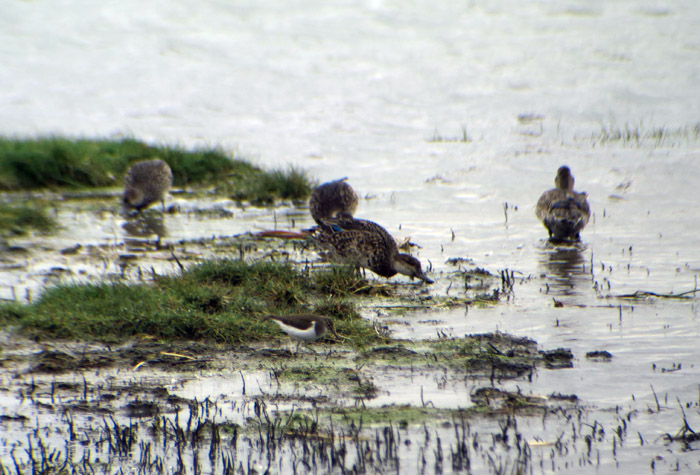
{"type": "Point", "coordinates": [563, 211]}
{"type": "Point", "coordinates": [145, 183]}
{"type": "Point", "coordinates": [304, 328]}
{"type": "Point", "coordinates": [329, 199]}
{"type": "Point", "coordinates": [366, 244]}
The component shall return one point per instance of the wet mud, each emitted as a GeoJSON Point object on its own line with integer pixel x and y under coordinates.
{"type": "Point", "coordinates": [127, 405]}
{"type": "Point", "coordinates": [168, 407]}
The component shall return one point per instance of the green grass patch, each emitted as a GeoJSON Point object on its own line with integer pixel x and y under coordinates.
{"type": "Point", "coordinates": [264, 188]}
{"type": "Point", "coordinates": [344, 280]}
{"type": "Point", "coordinates": [60, 162]}
{"type": "Point", "coordinates": [17, 220]}
{"type": "Point", "coordinates": [219, 301]}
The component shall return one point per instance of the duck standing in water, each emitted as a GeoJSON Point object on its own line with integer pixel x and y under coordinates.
{"type": "Point", "coordinates": [146, 183]}
{"type": "Point", "coordinates": [329, 199]}
{"type": "Point", "coordinates": [368, 245]}
{"type": "Point", "coordinates": [563, 211]}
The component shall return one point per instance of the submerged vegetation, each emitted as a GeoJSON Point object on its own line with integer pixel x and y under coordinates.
{"type": "Point", "coordinates": [217, 301]}
{"type": "Point", "coordinates": [16, 220]}
{"type": "Point", "coordinates": [60, 162]}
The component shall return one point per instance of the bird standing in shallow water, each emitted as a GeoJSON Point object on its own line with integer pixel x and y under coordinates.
{"type": "Point", "coordinates": [304, 328]}
{"type": "Point", "coordinates": [368, 245]}
{"type": "Point", "coordinates": [329, 199]}
{"type": "Point", "coordinates": [563, 211]}
{"type": "Point", "coordinates": [145, 183]}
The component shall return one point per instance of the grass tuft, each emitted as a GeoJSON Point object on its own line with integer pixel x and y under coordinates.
{"type": "Point", "coordinates": [340, 280]}
{"type": "Point", "coordinates": [642, 134]}
{"type": "Point", "coordinates": [264, 188]}
{"type": "Point", "coordinates": [218, 301]}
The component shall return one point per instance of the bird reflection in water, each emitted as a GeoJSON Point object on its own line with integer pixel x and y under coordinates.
{"type": "Point", "coordinates": [566, 269]}
{"type": "Point", "coordinates": [146, 225]}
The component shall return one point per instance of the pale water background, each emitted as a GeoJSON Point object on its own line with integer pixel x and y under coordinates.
{"type": "Point", "coordinates": [386, 93]}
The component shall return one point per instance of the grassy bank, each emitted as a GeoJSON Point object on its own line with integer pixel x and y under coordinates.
{"type": "Point", "coordinates": [217, 301]}
{"type": "Point", "coordinates": [60, 162]}
{"type": "Point", "coordinates": [17, 220]}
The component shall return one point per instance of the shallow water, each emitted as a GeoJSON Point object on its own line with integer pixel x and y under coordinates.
{"type": "Point", "coordinates": [450, 120]}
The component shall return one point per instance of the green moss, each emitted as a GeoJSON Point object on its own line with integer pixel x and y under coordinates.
{"type": "Point", "coordinates": [17, 220]}
{"type": "Point", "coordinates": [219, 301]}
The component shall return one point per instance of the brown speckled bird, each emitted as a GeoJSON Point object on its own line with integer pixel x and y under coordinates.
{"type": "Point", "coordinates": [145, 183]}
{"type": "Point", "coordinates": [563, 211]}
{"type": "Point", "coordinates": [368, 245]}
{"type": "Point", "coordinates": [331, 198]}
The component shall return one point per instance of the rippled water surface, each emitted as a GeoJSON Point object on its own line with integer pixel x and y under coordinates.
{"type": "Point", "coordinates": [450, 119]}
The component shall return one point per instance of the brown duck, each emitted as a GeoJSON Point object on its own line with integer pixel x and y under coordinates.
{"type": "Point", "coordinates": [331, 198]}
{"type": "Point", "coordinates": [366, 244]}
{"type": "Point", "coordinates": [563, 211]}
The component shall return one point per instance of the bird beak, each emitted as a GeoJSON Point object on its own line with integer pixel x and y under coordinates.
{"type": "Point", "coordinates": [424, 278]}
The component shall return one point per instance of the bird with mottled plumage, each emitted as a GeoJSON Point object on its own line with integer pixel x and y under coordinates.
{"type": "Point", "coordinates": [366, 244]}
{"type": "Point", "coordinates": [563, 211]}
{"type": "Point", "coordinates": [329, 199]}
{"type": "Point", "coordinates": [145, 183]}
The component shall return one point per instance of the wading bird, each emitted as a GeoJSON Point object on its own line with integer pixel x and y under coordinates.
{"type": "Point", "coordinates": [145, 183]}
{"type": "Point", "coordinates": [367, 245]}
{"type": "Point", "coordinates": [563, 211]}
{"type": "Point", "coordinates": [329, 199]}
{"type": "Point", "coordinates": [304, 328]}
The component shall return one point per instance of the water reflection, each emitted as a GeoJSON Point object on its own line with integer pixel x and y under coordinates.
{"type": "Point", "coordinates": [566, 270]}
{"type": "Point", "coordinates": [145, 225]}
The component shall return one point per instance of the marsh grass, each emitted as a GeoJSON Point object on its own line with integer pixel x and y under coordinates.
{"type": "Point", "coordinates": [341, 280]}
{"type": "Point", "coordinates": [17, 220]}
{"type": "Point", "coordinates": [61, 162]}
{"type": "Point", "coordinates": [291, 183]}
{"type": "Point", "coordinates": [216, 301]}
{"type": "Point", "coordinates": [439, 138]}
{"type": "Point", "coordinates": [641, 134]}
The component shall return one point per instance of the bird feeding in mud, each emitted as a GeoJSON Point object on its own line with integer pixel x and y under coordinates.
{"type": "Point", "coordinates": [304, 328]}
{"type": "Point", "coordinates": [368, 245]}
{"type": "Point", "coordinates": [329, 199]}
{"type": "Point", "coordinates": [563, 211]}
{"type": "Point", "coordinates": [145, 183]}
